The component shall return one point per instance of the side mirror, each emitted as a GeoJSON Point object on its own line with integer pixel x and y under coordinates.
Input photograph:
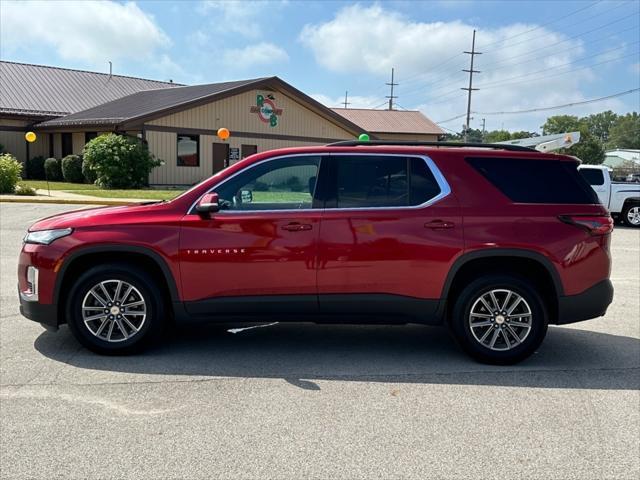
{"type": "Point", "coordinates": [208, 204]}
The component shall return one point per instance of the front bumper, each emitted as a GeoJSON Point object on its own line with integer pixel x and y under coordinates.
{"type": "Point", "coordinates": [45, 314]}
{"type": "Point", "coordinates": [591, 303]}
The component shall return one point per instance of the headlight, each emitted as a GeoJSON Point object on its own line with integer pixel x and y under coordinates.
{"type": "Point", "coordinates": [45, 237]}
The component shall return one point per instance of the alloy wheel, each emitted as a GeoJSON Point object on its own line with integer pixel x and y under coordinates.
{"type": "Point", "coordinates": [633, 215]}
{"type": "Point", "coordinates": [500, 319]}
{"type": "Point", "coordinates": [114, 310]}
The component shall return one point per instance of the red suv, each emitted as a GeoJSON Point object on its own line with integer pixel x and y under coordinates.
{"type": "Point", "coordinates": [495, 241]}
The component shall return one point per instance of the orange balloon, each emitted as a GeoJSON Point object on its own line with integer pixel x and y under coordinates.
{"type": "Point", "coordinates": [223, 133]}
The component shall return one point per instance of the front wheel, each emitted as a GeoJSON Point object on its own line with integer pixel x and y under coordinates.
{"type": "Point", "coordinates": [115, 309]}
{"type": "Point", "coordinates": [499, 319]}
{"type": "Point", "coordinates": [631, 215]}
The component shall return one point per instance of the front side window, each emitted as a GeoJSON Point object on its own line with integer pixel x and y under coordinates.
{"type": "Point", "coordinates": [188, 150]}
{"type": "Point", "coordinates": [281, 184]}
{"type": "Point", "coordinates": [383, 181]}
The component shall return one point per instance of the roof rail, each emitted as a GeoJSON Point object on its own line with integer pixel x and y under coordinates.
{"type": "Point", "coordinates": [497, 146]}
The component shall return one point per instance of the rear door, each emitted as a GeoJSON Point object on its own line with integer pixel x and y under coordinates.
{"type": "Point", "coordinates": [389, 232]}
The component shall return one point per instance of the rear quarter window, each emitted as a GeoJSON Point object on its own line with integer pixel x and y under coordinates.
{"type": "Point", "coordinates": [536, 181]}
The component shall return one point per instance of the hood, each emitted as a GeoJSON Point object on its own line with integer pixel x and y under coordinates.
{"type": "Point", "coordinates": [92, 217]}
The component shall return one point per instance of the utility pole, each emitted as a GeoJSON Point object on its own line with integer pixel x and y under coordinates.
{"type": "Point", "coordinates": [346, 98]}
{"type": "Point", "coordinates": [484, 120]}
{"type": "Point", "coordinates": [392, 96]}
{"type": "Point", "coordinates": [469, 89]}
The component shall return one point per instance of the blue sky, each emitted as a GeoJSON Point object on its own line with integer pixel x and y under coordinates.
{"type": "Point", "coordinates": [535, 54]}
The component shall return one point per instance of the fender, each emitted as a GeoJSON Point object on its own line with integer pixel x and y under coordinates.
{"type": "Point", "coordinates": [107, 247]}
{"type": "Point", "coordinates": [502, 252]}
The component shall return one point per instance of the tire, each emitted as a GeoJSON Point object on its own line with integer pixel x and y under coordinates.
{"type": "Point", "coordinates": [631, 215]}
{"type": "Point", "coordinates": [143, 324]}
{"type": "Point", "coordinates": [477, 341]}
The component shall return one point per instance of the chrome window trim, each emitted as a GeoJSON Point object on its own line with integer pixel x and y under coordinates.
{"type": "Point", "coordinates": [445, 189]}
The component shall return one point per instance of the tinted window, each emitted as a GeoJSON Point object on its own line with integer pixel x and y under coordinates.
{"type": "Point", "coordinates": [67, 144]}
{"type": "Point", "coordinates": [378, 181]}
{"type": "Point", "coordinates": [536, 181]}
{"type": "Point", "coordinates": [423, 184]}
{"type": "Point", "coordinates": [282, 184]}
{"type": "Point", "coordinates": [592, 176]}
{"type": "Point", "coordinates": [188, 150]}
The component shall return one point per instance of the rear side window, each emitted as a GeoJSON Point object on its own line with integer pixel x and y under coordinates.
{"type": "Point", "coordinates": [536, 181]}
{"type": "Point", "coordinates": [382, 181]}
{"type": "Point", "coordinates": [592, 176]}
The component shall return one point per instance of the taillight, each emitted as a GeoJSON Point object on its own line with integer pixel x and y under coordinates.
{"type": "Point", "coordinates": [594, 224]}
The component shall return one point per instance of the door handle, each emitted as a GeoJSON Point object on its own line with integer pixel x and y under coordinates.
{"type": "Point", "coordinates": [296, 227]}
{"type": "Point", "coordinates": [439, 225]}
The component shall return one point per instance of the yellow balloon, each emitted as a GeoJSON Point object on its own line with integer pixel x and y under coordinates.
{"type": "Point", "coordinates": [30, 137]}
{"type": "Point", "coordinates": [223, 133]}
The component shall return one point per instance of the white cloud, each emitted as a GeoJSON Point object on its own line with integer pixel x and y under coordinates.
{"type": "Point", "coordinates": [258, 54]}
{"type": "Point", "coordinates": [428, 62]}
{"type": "Point", "coordinates": [93, 32]}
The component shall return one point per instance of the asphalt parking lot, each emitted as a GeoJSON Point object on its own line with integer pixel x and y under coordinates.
{"type": "Point", "coordinates": [306, 401]}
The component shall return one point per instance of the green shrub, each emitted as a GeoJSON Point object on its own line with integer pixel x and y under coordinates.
{"type": "Point", "coordinates": [10, 170]}
{"type": "Point", "coordinates": [88, 173]}
{"type": "Point", "coordinates": [119, 161]}
{"type": "Point", "coordinates": [23, 189]}
{"type": "Point", "coordinates": [52, 170]}
{"type": "Point", "coordinates": [35, 168]}
{"type": "Point", "coordinates": [72, 169]}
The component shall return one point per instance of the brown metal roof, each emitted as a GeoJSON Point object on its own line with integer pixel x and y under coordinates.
{"type": "Point", "coordinates": [390, 121]}
{"type": "Point", "coordinates": [145, 103]}
{"type": "Point", "coordinates": [134, 110]}
{"type": "Point", "coordinates": [37, 90]}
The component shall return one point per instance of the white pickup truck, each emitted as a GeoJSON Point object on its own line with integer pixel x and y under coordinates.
{"type": "Point", "coordinates": [622, 199]}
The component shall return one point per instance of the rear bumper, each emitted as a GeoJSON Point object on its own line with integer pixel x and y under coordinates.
{"type": "Point", "coordinates": [591, 303]}
{"type": "Point", "coordinates": [45, 314]}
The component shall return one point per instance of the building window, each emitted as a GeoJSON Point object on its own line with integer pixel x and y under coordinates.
{"type": "Point", "coordinates": [247, 150]}
{"type": "Point", "coordinates": [88, 136]}
{"type": "Point", "coordinates": [67, 144]}
{"type": "Point", "coordinates": [188, 150]}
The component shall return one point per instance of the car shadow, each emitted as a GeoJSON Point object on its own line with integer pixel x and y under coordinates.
{"type": "Point", "coordinates": [303, 354]}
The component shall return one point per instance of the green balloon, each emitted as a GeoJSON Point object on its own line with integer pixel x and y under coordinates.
{"type": "Point", "coordinates": [363, 137]}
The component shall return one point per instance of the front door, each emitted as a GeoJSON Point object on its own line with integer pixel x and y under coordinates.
{"type": "Point", "coordinates": [220, 156]}
{"type": "Point", "coordinates": [258, 254]}
{"type": "Point", "coordinates": [389, 233]}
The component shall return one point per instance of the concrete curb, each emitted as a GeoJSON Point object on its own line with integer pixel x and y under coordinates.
{"type": "Point", "coordinates": [63, 201]}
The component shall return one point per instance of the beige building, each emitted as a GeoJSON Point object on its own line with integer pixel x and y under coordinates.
{"type": "Point", "coordinates": [67, 108]}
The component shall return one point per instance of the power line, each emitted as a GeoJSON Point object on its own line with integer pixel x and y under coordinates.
{"type": "Point", "coordinates": [535, 79]}
{"type": "Point", "coordinates": [501, 82]}
{"type": "Point", "coordinates": [573, 104]}
{"type": "Point", "coordinates": [542, 25]}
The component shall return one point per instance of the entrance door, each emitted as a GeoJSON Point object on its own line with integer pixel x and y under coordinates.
{"type": "Point", "coordinates": [220, 156]}
{"type": "Point", "coordinates": [258, 253]}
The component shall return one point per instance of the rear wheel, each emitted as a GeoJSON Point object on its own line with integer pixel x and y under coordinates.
{"type": "Point", "coordinates": [499, 319]}
{"type": "Point", "coordinates": [631, 215]}
{"type": "Point", "coordinates": [115, 309]}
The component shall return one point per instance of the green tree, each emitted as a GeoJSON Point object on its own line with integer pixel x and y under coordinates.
{"type": "Point", "coordinates": [625, 133]}
{"type": "Point", "coordinates": [522, 134]}
{"type": "Point", "coordinates": [600, 124]}
{"type": "Point", "coordinates": [497, 136]}
{"type": "Point", "coordinates": [589, 150]}
{"type": "Point", "coordinates": [119, 161]}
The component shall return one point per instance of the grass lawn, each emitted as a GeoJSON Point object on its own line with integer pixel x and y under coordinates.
{"type": "Point", "coordinates": [143, 194]}
{"type": "Point", "coordinates": [95, 191]}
